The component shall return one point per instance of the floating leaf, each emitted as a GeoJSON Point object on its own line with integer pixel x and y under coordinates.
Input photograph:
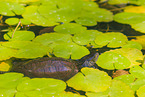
{"type": "Point", "coordinates": [49, 38]}
{"type": "Point", "coordinates": [132, 44]}
{"type": "Point", "coordinates": [25, 22]}
{"type": "Point", "coordinates": [127, 78]}
{"type": "Point", "coordinates": [120, 58]}
{"type": "Point", "coordinates": [139, 26]}
{"type": "Point", "coordinates": [6, 52]}
{"type": "Point", "coordinates": [137, 84]}
{"type": "Point", "coordinates": [45, 86]}
{"type": "Point", "coordinates": [120, 88]}
{"type": "Point", "coordinates": [113, 39]}
{"type": "Point", "coordinates": [11, 80]}
{"type": "Point", "coordinates": [135, 9]}
{"type": "Point", "coordinates": [141, 40]}
{"type": "Point", "coordinates": [137, 71]}
{"type": "Point", "coordinates": [7, 92]}
{"type": "Point", "coordinates": [21, 1]}
{"type": "Point", "coordinates": [118, 1]}
{"type": "Point", "coordinates": [141, 91]}
{"type": "Point", "coordinates": [90, 79]}
{"type": "Point", "coordinates": [12, 21]}
{"type": "Point", "coordinates": [5, 65]}
{"type": "Point", "coordinates": [129, 18]}
{"type": "Point", "coordinates": [70, 28]}
{"type": "Point", "coordinates": [110, 60]}
{"type": "Point", "coordinates": [10, 9]}
{"type": "Point", "coordinates": [86, 21]}
{"type": "Point", "coordinates": [32, 15]}
{"type": "Point", "coordinates": [67, 50]}
{"type": "Point", "coordinates": [19, 35]}
{"type": "Point", "coordinates": [84, 38]}
{"type": "Point", "coordinates": [27, 49]}
{"type": "Point", "coordinates": [98, 94]}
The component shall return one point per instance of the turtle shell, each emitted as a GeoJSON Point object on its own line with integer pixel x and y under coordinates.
{"type": "Point", "coordinates": [47, 67]}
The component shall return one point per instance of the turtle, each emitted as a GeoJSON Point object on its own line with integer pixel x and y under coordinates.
{"type": "Point", "coordinates": [54, 67]}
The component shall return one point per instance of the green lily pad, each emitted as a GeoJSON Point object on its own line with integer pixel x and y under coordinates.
{"type": "Point", "coordinates": [141, 91]}
{"type": "Point", "coordinates": [27, 49]}
{"type": "Point", "coordinates": [118, 1]}
{"type": "Point", "coordinates": [140, 40]}
{"type": "Point", "coordinates": [137, 84]}
{"type": "Point", "coordinates": [132, 44]}
{"type": "Point", "coordinates": [137, 71]}
{"type": "Point", "coordinates": [90, 79]}
{"type": "Point", "coordinates": [86, 21]}
{"type": "Point", "coordinates": [139, 27]}
{"type": "Point", "coordinates": [44, 86]}
{"type": "Point", "coordinates": [70, 28]}
{"type": "Point", "coordinates": [32, 15]}
{"type": "Point", "coordinates": [10, 9]}
{"type": "Point", "coordinates": [113, 39]}
{"type": "Point", "coordinates": [25, 21]}
{"type": "Point", "coordinates": [69, 50]}
{"type": "Point", "coordinates": [12, 21]}
{"type": "Point", "coordinates": [19, 35]}
{"type": "Point", "coordinates": [118, 88]}
{"type": "Point", "coordinates": [110, 60]}
{"type": "Point", "coordinates": [7, 92]}
{"type": "Point", "coordinates": [127, 78]}
{"type": "Point", "coordinates": [133, 54]}
{"type": "Point", "coordinates": [11, 80]}
{"type": "Point", "coordinates": [97, 94]}
{"type": "Point", "coordinates": [85, 37]}
{"type": "Point", "coordinates": [6, 52]}
{"type": "Point", "coordinates": [120, 58]}
{"type": "Point", "coordinates": [129, 18]}
{"type": "Point", "coordinates": [49, 38]}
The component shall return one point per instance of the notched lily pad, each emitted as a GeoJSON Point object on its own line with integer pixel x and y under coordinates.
{"type": "Point", "coordinates": [90, 79]}
{"type": "Point", "coordinates": [69, 50]}
{"type": "Point", "coordinates": [113, 39]}
{"type": "Point", "coordinates": [86, 37]}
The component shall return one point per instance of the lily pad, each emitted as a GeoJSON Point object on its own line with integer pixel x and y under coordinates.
{"type": "Point", "coordinates": [69, 50]}
{"type": "Point", "coordinates": [70, 28]}
{"type": "Point", "coordinates": [120, 88]}
{"type": "Point", "coordinates": [112, 40]}
{"type": "Point", "coordinates": [12, 21]}
{"type": "Point", "coordinates": [110, 60]}
{"type": "Point", "coordinates": [84, 38]}
{"type": "Point", "coordinates": [140, 40]}
{"type": "Point", "coordinates": [132, 44]}
{"type": "Point", "coordinates": [7, 52]}
{"type": "Point", "coordinates": [137, 71]}
{"type": "Point", "coordinates": [120, 58]}
{"type": "Point", "coordinates": [19, 35]}
{"type": "Point", "coordinates": [141, 91]}
{"type": "Point", "coordinates": [10, 9]}
{"type": "Point", "coordinates": [129, 18]}
{"type": "Point", "coordinates": [44, 86]}
{"type": "Point", "coordinates": [90, 79]}
{"type": "Point", "coordinates": [49, 38]}
{"type": "Point", "coordinates": [27, 49]}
